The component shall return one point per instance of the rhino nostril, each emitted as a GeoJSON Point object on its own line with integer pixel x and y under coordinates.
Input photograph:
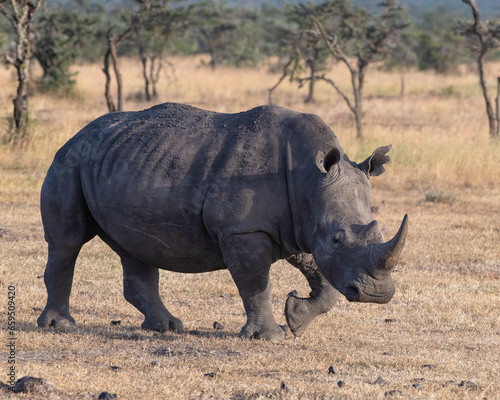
{"type": "Point", "coordinates": [352, 293]}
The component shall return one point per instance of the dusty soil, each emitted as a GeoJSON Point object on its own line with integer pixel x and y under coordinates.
{"type": "Point", "coordinates": [439, 337]}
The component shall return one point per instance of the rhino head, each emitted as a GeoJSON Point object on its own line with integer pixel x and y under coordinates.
{"type": "Point", "coordinates": [347, 244]}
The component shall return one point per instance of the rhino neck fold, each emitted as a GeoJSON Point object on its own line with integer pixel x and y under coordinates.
{"type": "Point", "coordinates": [298, 214]}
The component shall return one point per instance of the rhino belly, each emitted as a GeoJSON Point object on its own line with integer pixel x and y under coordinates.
{"type": "Point", "coordinates": [160, 223]}
{"type": "Point", "coordinates": [167, 247]}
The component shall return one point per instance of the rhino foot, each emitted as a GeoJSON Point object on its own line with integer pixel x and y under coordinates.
{"type": "Point", "coordinates": [256, 332]}
{"type": "Point", "coordinates": [298, 314]}
{"type": "Point", "coordinates": [56, 319]}
{"type": "Point", "coordinates": [163, 324]}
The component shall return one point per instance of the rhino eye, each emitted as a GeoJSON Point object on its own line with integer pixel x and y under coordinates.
{"type": "Point", "coordinates": [338, 239]}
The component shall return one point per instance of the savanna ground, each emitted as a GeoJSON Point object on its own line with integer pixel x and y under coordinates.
{"type": "Point", "coordinates": [438, 338]}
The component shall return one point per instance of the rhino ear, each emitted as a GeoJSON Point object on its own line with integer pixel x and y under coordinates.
{"type": "Point", "coordinates": [374, 165]}
{"type": "Point", "coordinates": [325, 161]}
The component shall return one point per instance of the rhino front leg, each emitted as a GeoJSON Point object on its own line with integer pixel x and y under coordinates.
{"type": "Point", "coordinates": [248, 258]}
{"type": "Point", "coordinates": [299, 312]}
{"type": "Point", "coordinates": [141, 289]}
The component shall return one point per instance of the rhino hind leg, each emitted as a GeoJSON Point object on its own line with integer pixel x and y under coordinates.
{"type": "Point", "coordinates": [299, 311]}
{"type": "Point", "coordinates": [248, 258]}
{"type": "Point", "coordinates": [68, 225]}
{"type": "Point", "coordinates": [141, 289]}
{"type": "Point", "coordinates": [58, 280]}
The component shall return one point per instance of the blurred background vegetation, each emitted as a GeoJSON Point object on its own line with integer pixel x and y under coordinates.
{"type": "Point", "coordinates": [301, 40]}
{"type": "Point", "coordinates": [238, 33]}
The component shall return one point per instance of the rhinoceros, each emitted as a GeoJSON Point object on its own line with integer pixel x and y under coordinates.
{"type": "Point", "coordinates": [188, 190]}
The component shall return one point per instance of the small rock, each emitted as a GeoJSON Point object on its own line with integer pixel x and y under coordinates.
{"type": "Point", "coordinates": [331, 370]}
{"type": "Point", "coordinates": [107, 396]}
{"type": "Point", "coordinates": [218, 326]}
{"type": "Point", "coordinates": [391, 393]}
{"type": "Point", "coordinates": [30, 384]}
{"type": "Point", "coordinates": [114, 367]}
{"type": "Point", "coordinates": [380, 381]}
{"type": "Point", "coordinates": [418, 386]}
{"type": "Point", "coordinates": [468, 385]}
{"type": "Point", "coordinates": [387, 353]}
{"type": "Point", "coordinates": [285, 388]}
{"type": "Point", "coordinates": [210, 374]}
{"type": "Point", "coordinates": [341, 384]}
{"type": "Point", "coordinates": [390, 320]}
{"type": "Point", "coordinates": [429, 366]}
{"type": "Point", "coordinates": [37, 309]}
{"type": "Point", "coordinates": [116, 322]}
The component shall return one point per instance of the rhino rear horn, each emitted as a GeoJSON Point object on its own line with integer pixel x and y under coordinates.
{"type": "Point", "coordinates": [387, 254]}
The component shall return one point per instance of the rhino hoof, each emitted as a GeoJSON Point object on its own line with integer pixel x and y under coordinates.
{"type": "Point", "coordinates": [264, 334]}
{"type": "Point", "coordinates": [171, 324]}
{"type": "Point", "coordinates": [53, 319]}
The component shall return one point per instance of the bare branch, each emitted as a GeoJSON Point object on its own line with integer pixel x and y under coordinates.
{"type": "Point", "coordinates": [15, 11]}
{"type": "Point", "coordinates": [332, 44]}
{"type": "Point", "coordinates": [339, 91]}
{"type": "Point", "coordinates": [9, 17]}
{"type": "Point", "coordinates": [285, 73]}
{"type": "Point", "coordinates": [488, 38]}
{"type": "Point", "coordinates": [133, 25]}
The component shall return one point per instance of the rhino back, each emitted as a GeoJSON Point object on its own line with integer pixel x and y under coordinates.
{"type": "Point", "coordinates": [166, 184]}
{"type": "Point", "coordinates": [169, 183]}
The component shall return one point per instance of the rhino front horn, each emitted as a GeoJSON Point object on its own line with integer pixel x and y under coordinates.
{"type": "Point", "coordinates": [388, 253]}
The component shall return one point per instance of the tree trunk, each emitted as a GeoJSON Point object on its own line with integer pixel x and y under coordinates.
{"type": "Point", "coordinates": [111, 53]}
{"type": "Point", "coordinates": [357, 86]}
{"type": "Point", "coordinates": [212, 55]}
{"type": "Point", "coordinates": [118, 75]}
{"type": "Point", "coordinates": [21, 100]}
{"type": "Point", "coordinates": [144, 61]}
{"type": "Point", "coordinates": [497, 134]}
{"type": "Point", "coordinates": [310, 95]}
{"type": "Point", "coordinates": [23, 23]}
{"type": "Point", "coordinates": [107, 88]}
{"type": "Point", "coordinates": [486, 94]}
{"type": "Point", "coordinates": [154, 74]}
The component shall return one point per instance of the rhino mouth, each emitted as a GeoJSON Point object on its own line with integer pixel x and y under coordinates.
{"type": "Point", "coordinates": [354, 293]}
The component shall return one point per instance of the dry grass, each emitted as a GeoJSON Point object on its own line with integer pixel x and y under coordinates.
{"type": "Point", "coordinates": [445, 316]}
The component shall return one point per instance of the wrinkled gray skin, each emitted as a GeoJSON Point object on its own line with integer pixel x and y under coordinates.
{"type": "Point", "coordinates": [188, 190]}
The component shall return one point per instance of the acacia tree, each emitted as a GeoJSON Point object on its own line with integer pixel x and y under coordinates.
{"type": "Point", "coordinates": [356, 39]}
{"type": "Point", "coordinates": [111, 53]}
{"type": "Point", "coordinates": [486, 35]}
{"type": "Point", "coordinates": [214, 21]}
{"type": "Point", "coordinates": [305, 51]}
{"type": "Point", "coordinates": [401, 58]}
{"type": "Point", "coordinates": [153, 32]}
{"type": "Point", "coordinates": [21, 14]}
{"type": "Point", "coordinates": [60, 36]}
